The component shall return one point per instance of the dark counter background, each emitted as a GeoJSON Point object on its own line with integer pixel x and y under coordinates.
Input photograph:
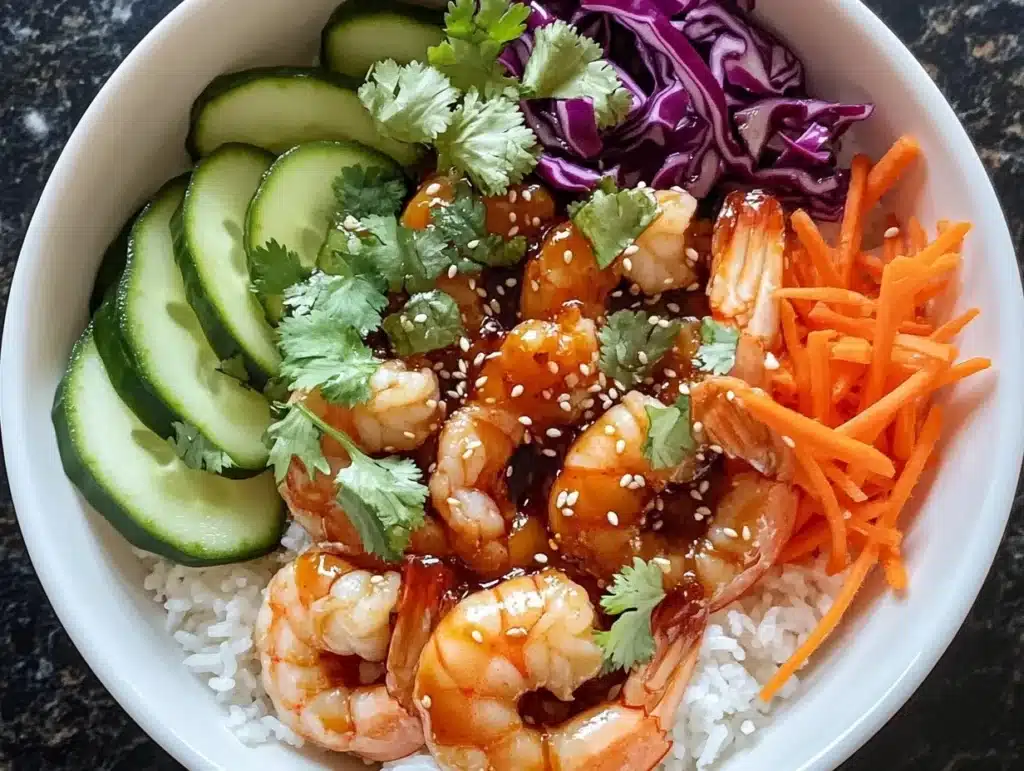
{"type": "Point", "coordinates": [54, 714]}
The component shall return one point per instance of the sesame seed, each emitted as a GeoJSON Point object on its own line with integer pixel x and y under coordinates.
{"type": "Point", "coordinates": [425, 701]}
{"type": "Point", "coordinates": [419, 318]}
{"type": "Point", "coordinates": [433, 189]}
{"type": "Point", "coordinates": [642, 356]}
{"type": "Point", "coordinates": [510, 282]}
{"type": "Point", "coordinates": [684, 388]}
{"type": "Point", "coordinates": [527, 195]}
{"type": "Point", "coordinates": [478, 359]}
{"type": "Point", "coordinates": [892, 232]}
{"type": "Point", "coordinates": [567, 512]}
{"type": "Point", "coordinates": [620, 446]}
{"type": "Point", "coordinates": [746, 533]}
{"type": "Point", "coordinates": [473, 244]}
{"type": "Point", "coordinates": [517, 390]}
{"type": "Point", "coordinates": [553, 367]}
{"type": "Point", "coordinates": [481, 292]}
{"type": "Point", "coordinates": [730, 532]}
{"type": "Point", "coordinates": [704, 511]}
{"type": "Point", "coordinates": [566, 407]}
{"type": "Point", "coordinates": [549, 453]}
{"type": "Point", "coordinates": [495, 305]}
{"type": "Point", "coordinates": [463, 367]}
{"type": "Point", "coordinates": [630, 250]}
{"type": "Point", "coordinates": [730, 395]}
{"type": "Point", "coordinates": [535, 286]}
{"type": "Point", "coordinates": [535, 222]}
{"type": "Point", "coordinates": [467, 454]}
{"type": "Point", "coordinates": [452, 271]}
{"type": "Point", "coordinates": [560, 500]}
{"type": "Point", "coordinates": [452, 501]}
{"type": "Point", "coordinates": [516, 631]}
{"type": "Point", "coordinates": [716, 448]}
{"type": "Point", "coordinates": [464, 344]}
{"type": "Point", "coordinates": [673, 307]}
{"type": "Point", "coordinates": [513, 231]}
{"type": "Point", "coordinates": [541, 558]}
{"type": "Point", "coordinates": [572, 497]}
{"type": "Point", "coordinates": [788, 441]}
{"type": "Point", "coordinates": [670, 372]}
{"type": "Point", "coordinates": [613, 519]}
{"type": "Point", "coordinates": [453, 394]}
{"type": "Point", "coordinates": [703, 486]}
{"type": "Point", "coordinates": [479, 382]}
{"type": "Point", "coordinates": [477, 637]}
{"type": "Point", "coordinates": [663, 323]}
{"type": "Point", "coordinates": [511, 216]}
{"type": "Point", "coordinates": [408, 434]}
{"type": "Point", "coordinates": [696, 495]}
{"type": "Point", "coordinates": [512, 196]}
{"type": "Point", "coordinates": [613, 394]}
{"type": "Point", "coordinates": [770, 362]}
{"type": "Point", "coordinates": [567, 256]}
{"type": "Point", "coordinates": [692, 254]}
{"type": "Point", "coordinates": [627, 264]}
{"type": "Point", "coordinates": [626, 479]}
{"type": "Point", "coordinates": [609, 430]}
{"type": "Point", "coordinates": [653, 320]}
{"type": "Point", "coordinates": [525, 420]}
{"type": "Point", "coordinates": [554, 433]}
{"type": "Point", "coordinates": [693, 287]}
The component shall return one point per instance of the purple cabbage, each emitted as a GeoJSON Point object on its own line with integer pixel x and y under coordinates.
{"type": "Point", "coordinates": [716, 101]}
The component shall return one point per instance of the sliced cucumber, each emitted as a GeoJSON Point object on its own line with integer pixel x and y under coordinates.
{"type": "Point", "coordinates": [361, 32]}
{"type": "Point", "coordinates": [134, 479]}
{"type": "Point", "coordinates": [278, 108]}
{"type": "Point", "coordinates": [165, 345]}
{"type": "Point", "coordinates": [295, 203]}
{"type": "Point", "coordinates": [114, 258]}
{"type": "Point", "coordinates": [208, 231]}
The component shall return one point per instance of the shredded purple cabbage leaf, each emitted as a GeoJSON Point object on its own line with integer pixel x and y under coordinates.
{"type": "Point", "coordinates": [717, 100]}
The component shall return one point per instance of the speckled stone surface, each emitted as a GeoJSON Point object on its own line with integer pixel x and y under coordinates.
{"type": "Point", "coordinates": [54, 714]}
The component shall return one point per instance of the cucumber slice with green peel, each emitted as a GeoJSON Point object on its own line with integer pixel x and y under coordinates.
{"type": "Point", "coordinates": [135, 480]}
{"type": "Point", "coordinates": [295, 204]}
{"type": "Point", "coordinates": [112, 264]}
{"type": "Point", "coordinates": [208, 231]}
{"type": "Point", "coordinates": [165, 345]}
{"type": "Point", "coordinates": [361, 32]}
{"type": "Point", "coordinates": [278, 108]}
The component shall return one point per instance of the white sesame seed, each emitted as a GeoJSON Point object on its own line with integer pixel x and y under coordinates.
{"type": "Point", "coordinates": [535, 222]}
{"type": "Point", "coordinates": [673, 307]}
{"type": "Point", "coordinates": [463, 367]}
{"type": "Point", "coordinates": [693, 287]}
{"type": "Point", "coordinates": [730, 395]}
{"type": "Point", "coordinates": [663, 323]}
{"type": "Point", "coordinates": [567, 512]}
{"type": "Point", "coordinates": [517, 390]}
{"type": "Point", "coordinates": [511, 216]}
{"type": "Point", "coordinates": [620, 446]}
{"type": "Point", "coordinates": [704, 511]}
{"type": "Point", "coordinates": [527, 195]}
{"type": "Point", "coordinates": [653, 320]}
{"type": "Point", "coordinates": [609, 430]}
{"type": "Point", "coordinates": [567, 256]}
{"type": "Point", "coordinates": [479, 382]}
{"type": "Point", "coordinates": [704, 486]}
{"type": "Point", "coordinates": [510, 282]}
{"type": "Point", "coordinates": [535, 286]}
{"type": "Point", "coordinates": [630, 250]}
{"type": "Point", "coordinates": [541, 558]}
{"type": "Point", "coordinates": [477, 637]}
{"type": "Point", "coordinates": [512, 196]}
{"type": "Point", "coordinates": [516, 631]}
{"type": "Point", "coordinates": [452, 501]}
{"type": "Point", "coordinates": [566, 407]}
{"type": "Point", "coordinates": [613, 394]}
{"type": "Point", "coordinates": [495, 305]}
{"type": "Point", "coordinates": [560, 500]}
{"type": "Point", "coordinates": [716, 448]}
{"type": "Point", "coordinates": [788, 441]}
{"type": "Point", "coordinates": [467, 454]}
{"type": "Point", "coordinates": [433, 189]}
{"type": "Point", "coordinates": [553, 367]}
{"type": "Point", "coordinates": [770, 362]}
{"type": "Point", "coordinates": [627, 264]}
{"type": "Point", "coordinates": [408, 434]}
{"type": "Point", "coordinates": [626, 479]}
{"type": "Point", "coordinates": [464, 344]}
{"type": "Point", "coordinates": [420, 318]}
{"type": "Point", "coordinates": [696, 495]}
{"type": "Point", "coordinates": [642, 356]}
{"type": "Point", "coordinates": [425, 701]}
{"type": "Point", "coordinates": [730, 532]}
{"type": "Point", "coordinates": [549, 453]}
{"type": "Point", "coordinates": [891, 232]}
{"type": "Point", "coordinates": [452, 271]}
{"type": "Point", "coordinates": [513, 231]}
{"type": "Point", "coordinates": [692, 254]}
{"type": "Point", "coordinates": [572, 498]}
{"type": "Point", "coordinates": [554, 433]}
{"type": "Point", "coordinates": [613, 519]}
{"type": "Point", "coordinates": [481, 292]}
{"type": "Point", "coordinates": [525, 420]}
{"type": "Point", "coordinates": [746, 533]}
{"type": "Point", "coordinates": [684, 388]}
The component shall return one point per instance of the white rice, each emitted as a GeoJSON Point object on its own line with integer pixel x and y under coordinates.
{"type": "Point", "coordinates": [211, 613]}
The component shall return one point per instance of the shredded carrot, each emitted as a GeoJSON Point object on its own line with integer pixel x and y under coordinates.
{"type": "Point", "coordinates": [927, 346]}
{"type": "Point", "coordinates": [817, 249]}
{"type": "Point", "coordinates": [822, 490]}
{"type": "Point", "coordinates": [889, 169]}
{"type": "Point", "coordinates": [918, 235]}
{"type": "Point", "coordinates": [798, 354]}
{"type": "Point", "coordinates": [870, 422]}
{"type": "Point", "coordinates": [915, 466]}
{"type": "Point", "coordinates": [854, 580]}
{"type": "Point", "coordinates": [963, 369]}
{"type": "Point", "coordinates": [825, 442]}
{"type": "Point", "coordinates": [843, 482]}
{"type": "Point", "coordinates": [825, 294]}
{"type": "Point", "coordinates": [905, 431]}
{"type": "Point", "coordinates": [948, 241]}
{"type": "Point", "coordinates": [895, 570]}
{"type": "Point", "coordinates": [818, 361]}
{"type": "Point", "coordinates": [954, 327]}
{"type": "Point", "coordinates": [851, 231]}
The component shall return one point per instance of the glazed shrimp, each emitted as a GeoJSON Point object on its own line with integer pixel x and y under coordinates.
{"type": "Point", "coordinates": [538, 380]}
{"type": "Point", "coordinates": [537, 632]}
{"type": "Point", "coordinates": [663, 256]}
{"type": "Point", "coordinates": [323, 626]}
{"type": "Point", "coordinates": [403, 411]}
{"type": "Point", "coordinates": [748, 248]}
{"type": "Point", "coordinates": [598, 506]}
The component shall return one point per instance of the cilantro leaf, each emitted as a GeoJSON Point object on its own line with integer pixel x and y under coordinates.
{"type": "Point", "coordinates": [463, 224]}
{"type": "Point", "coordinates": [196, 450]}
{"type": "Point", "coordinates": [475, 40]}
{"type": "Point", "coordinates": [295, 435]}
{"type": "Point", "coordinates": [322, 352]}
{"type": "Point", "coordinates": [404, 257]}
{"type": "Point", "coordinates": [410, 103]}
{"type": "Point", "coordinates": [717, 353]}
{"type": "Point", "coordinates": [429, 321]}
{"type": "Point", "coordinates": [235, 367]}
{"type": "Point", "coordinates": [669, 434]}
{"type": "Point", "coordinates": [363, 190]}
{"type": "Point", "coordinates": [566, 65]}
{"type": "Point", "coordinates": [272, 269]}
{"type": "Point", "coordinates": [489, 142]}
{"type": "Point", "coordinates": [276, 390]}
{"type": "Point", "coordinates": [634, 594]}
{"type": "Point", "coordinates": [356, 301]}
{"type": "Point", "coordinates": [631, 345]}
{"type": "Point", "coordinates": [384, 499]}
{"type": "Point", "coordinates": [611, 221]}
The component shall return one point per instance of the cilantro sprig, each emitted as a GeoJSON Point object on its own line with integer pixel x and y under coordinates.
{"type": "Point", "coordinates": [428, 322]}
{"type": "Point", "coordinates": [669, 434]}
{"type": "Point", "coordinates": [196, 451]}
{"type": "Point", "coordinates": [273, 268]}
{"type": "Point", "coordinates": [363, 190]}
{"type": "Point", "coordinates": [463, 223]}
{"type": "Point", "coordinates": [383, 498]}
{"type": "Point", "coordinates": [413, 103]}
{"type": "Point", "coordinates": [611, 219]}
{"type": "Point", "coordinates": [355, 301]}
{"type": "Point", "coordinates": [631, 345]}
{"type": "Point", "coordinates": [566, 65]}
{"type": "Point", "coordinates": [717, 352]}
{"type": "Point", "coordinates": [634, 594]}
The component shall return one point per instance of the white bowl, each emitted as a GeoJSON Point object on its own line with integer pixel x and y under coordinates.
{"type": "Point", "coordinates": [131, 140]}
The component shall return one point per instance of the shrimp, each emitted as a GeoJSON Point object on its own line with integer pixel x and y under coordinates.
{"type": "Point", "coordinates": [663, 256]}
{"type": "Point", "coordinates": [565, 271]}
{"type": "Point", "coordinates": [539, 379]}
{"type": "Point", "coordinates": [524, 210]}
{"type": "Point", "coordinates": [323, 627]}
{"type": "Point", "coordinates": [536, 632]}
{"type": "Point", "coordinates": [403, 411]}
{"type": "Point", "coordinates": [748, 249]}
{"type": "Point", "coordinates": [599, 503]}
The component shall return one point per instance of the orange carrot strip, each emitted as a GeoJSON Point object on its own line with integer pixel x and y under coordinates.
{"type": "Point", "coordinates": [870, 422]}
{"type": "Point", "coordinates": [847, 377]}
{"type": "Point", "coordinates": [817, 249]}
{"type": "Point", "coordinates": [964, 369]}
{"type": "Point", "coordinates": [854, 580]}
{"type": "Point", "coordinates": [838, 556]}
{"type": "Point", "coordinates": [918, 235]}
{"type": "Point", "coordinates": [946, 242]}
{"type": "Point", "coordinates": [843, 482]}
{"type": "Point", "coordinates": [851, 231]}
{"type": "Point", "coordinates": [905, 431]}
{"type": "Point", "coordinates": [889, 169]}
{"type": "Point", "coordinates": [818, 364]}
{"type": "Point", "coordinates": [915, 466]}
{"type": "Point", "coordinates": [918, 327]}
{"type": "Point", "coordinates": [855, 350]}
{"type": "Point", "coordinates": [954, 327]}
{"type": "Point", "coordinates": [883, 336]}
{"type": "Point", "coordinates": [871, 265]}
{"type": "Point", "coordinates": [895, 570]}
{"type": "Point", "coordinates": [927, 346]}
{"type": "Point", "coordinates": [825, 294]}
{"type": "Point", "coordinates": [828, 443]}
{"type": "Point", "coordinates": [797, 353]}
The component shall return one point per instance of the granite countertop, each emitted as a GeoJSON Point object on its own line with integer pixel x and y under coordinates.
{"type": "Point", "coordinates": [54, 714]}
